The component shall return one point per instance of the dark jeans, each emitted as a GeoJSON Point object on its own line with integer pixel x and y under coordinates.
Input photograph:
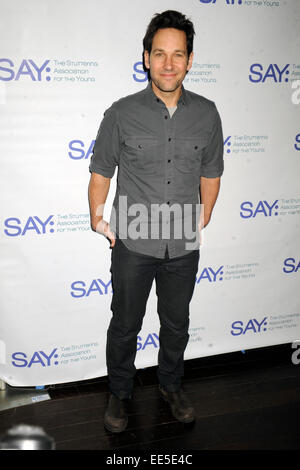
{"type": "Point", "coordinates": [132, 278]}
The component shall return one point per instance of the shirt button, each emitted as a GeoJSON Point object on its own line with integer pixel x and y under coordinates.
{"type": "Point", "coordinates": [169, 182]}
{"type": "Point", "coordinates": [169, 161]}
{"type": "Point", "coordinates": [169, 139]}
{"type": "Point", "coordinates": [166, 117]}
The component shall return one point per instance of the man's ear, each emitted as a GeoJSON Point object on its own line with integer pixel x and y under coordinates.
{"type": "Point", "coordinates": [190, 61]}
{"type": "Point", "coordinates": [147, 59]}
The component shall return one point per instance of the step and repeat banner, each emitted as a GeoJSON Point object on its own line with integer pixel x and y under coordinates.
{"type": "Point", "coordinates": [62, 64]}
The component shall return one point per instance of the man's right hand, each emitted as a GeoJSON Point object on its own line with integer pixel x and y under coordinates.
{"type": "Point", "coordinates": [98, 190]}
{"type": "Point", "coordinates": [103, 228]}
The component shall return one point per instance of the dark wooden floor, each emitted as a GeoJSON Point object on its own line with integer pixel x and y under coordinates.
{"type": "Point", "coordinates": [242, 401]}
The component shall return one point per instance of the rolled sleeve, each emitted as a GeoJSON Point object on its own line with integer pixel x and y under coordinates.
{"type": "Point", "coordinates": [106, 150]}
{"type": "Point", "coordinates": [212, 165]}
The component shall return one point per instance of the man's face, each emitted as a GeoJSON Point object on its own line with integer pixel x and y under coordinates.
{"type": "Point", "coordinates": [168, 61]}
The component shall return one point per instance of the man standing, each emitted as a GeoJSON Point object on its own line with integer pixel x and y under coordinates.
{"type": "Point", "coordinates": [168, 145]}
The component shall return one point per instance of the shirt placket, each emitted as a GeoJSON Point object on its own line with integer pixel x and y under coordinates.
{"type": "Point", "coordinates": [169, 128]}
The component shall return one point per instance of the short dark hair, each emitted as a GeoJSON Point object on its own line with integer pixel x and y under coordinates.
{"type": "Point", "coordinates": [169, 19]}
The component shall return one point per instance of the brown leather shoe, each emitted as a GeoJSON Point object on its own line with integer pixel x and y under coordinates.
{"type": "Point", "coordinates": [115, 418]}
{"type": "Point", "coordinates": [181, 408]}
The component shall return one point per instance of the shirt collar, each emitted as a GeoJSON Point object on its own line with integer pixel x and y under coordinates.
{"type": "Point", "coordinates": [149, 91]}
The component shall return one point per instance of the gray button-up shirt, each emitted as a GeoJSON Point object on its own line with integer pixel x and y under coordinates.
{"type": "Point", "coordinates": [160, 161]}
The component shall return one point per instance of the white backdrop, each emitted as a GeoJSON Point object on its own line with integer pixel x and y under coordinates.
{"type": "Point", "coordinates": [62, 63]}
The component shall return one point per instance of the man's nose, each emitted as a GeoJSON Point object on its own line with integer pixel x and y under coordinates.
{"type": "Point", "coordinates": [168, 62]}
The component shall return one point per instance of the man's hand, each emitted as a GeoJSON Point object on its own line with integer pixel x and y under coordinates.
{"type": "Point", "coordinates": [103, 228]}
{"type": "Point", "coordinates": [98, 190]}
{"type": "Point", "coordinates": [209, 190]}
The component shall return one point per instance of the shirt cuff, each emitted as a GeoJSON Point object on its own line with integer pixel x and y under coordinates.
{"type": "Point", "coordinates": [107, 172]}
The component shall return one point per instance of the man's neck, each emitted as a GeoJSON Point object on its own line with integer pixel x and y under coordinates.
{"type": "Point", "coordinates": [170, 98]}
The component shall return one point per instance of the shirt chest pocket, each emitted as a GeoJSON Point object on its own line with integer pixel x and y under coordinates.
{"type": "Point", "coordinates": [141, 154]}
{"type": "Point", "coordinates": [188, 153]}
